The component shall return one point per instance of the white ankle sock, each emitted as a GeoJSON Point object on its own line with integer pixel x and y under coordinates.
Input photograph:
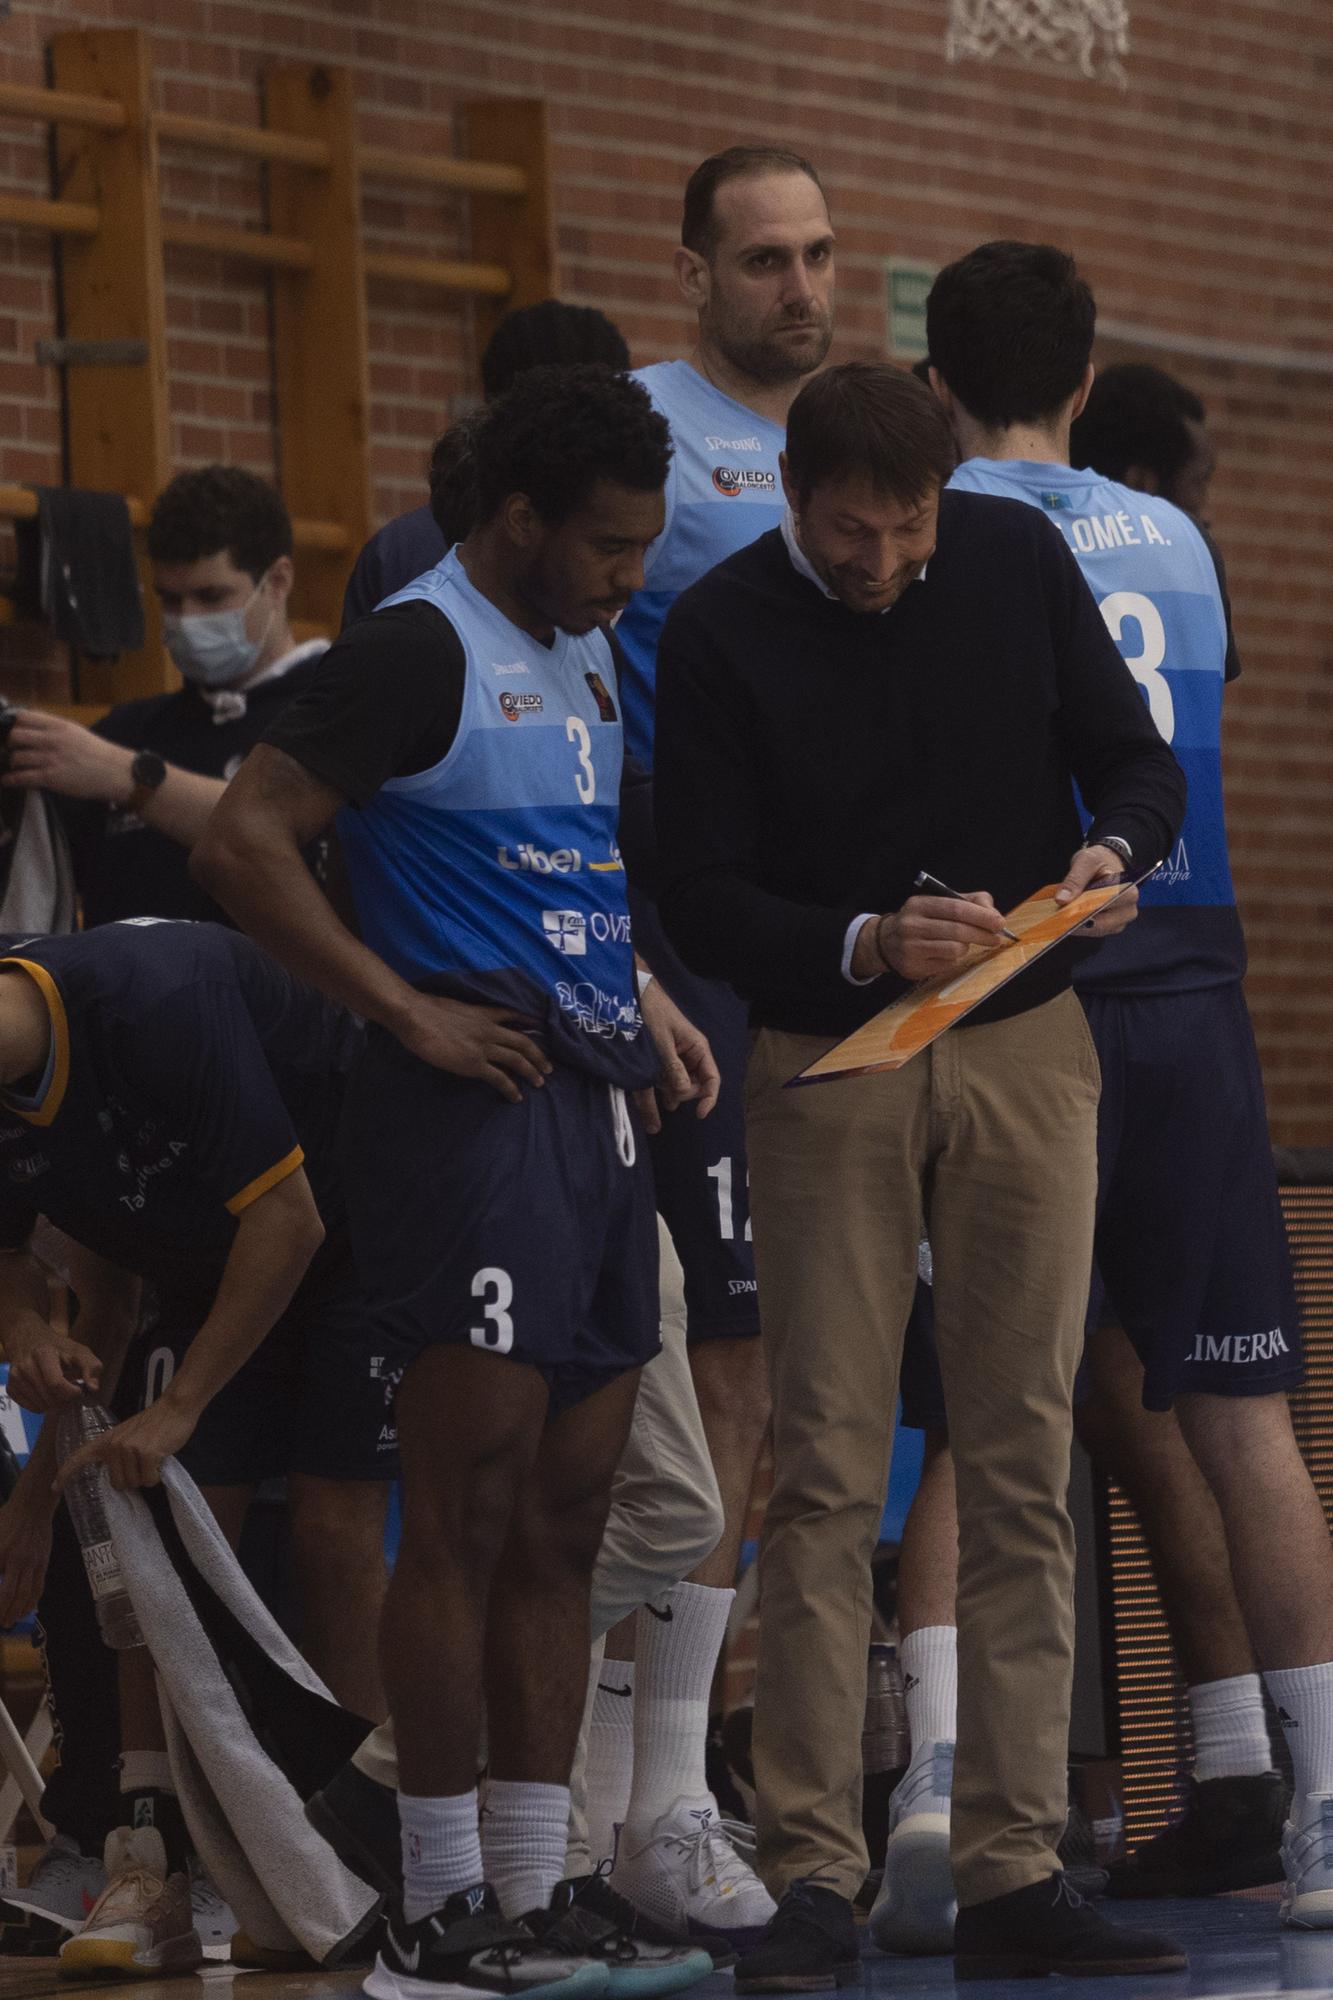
{"type": "Point", "coordinates": [1230, 1732]}
{"type": "Point", "coordinates": [441, 1850]}
{"type": "Point", "coordinates": [146, 1771]}
{"type": "Point", "coordinates": [524, 1832]}
{"type": "Point", "coordinates": [677, 1641]}
{"type": "Point", "coordinates": [610, 1764]}
{"type": "Point", "coordinates": [1304, 1700]}
{"type": "Point", "coordinates": [929, 1660]}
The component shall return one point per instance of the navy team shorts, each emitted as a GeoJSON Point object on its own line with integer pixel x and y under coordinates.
{"type": "Point", "coordinates": [1192, 1255]}
{"type": "Point", "coordinates": [526, 1230]}
{"type": "Point", "coordinates": [311, 1399]}
{"type": "Point", "coordinates": [699, 1165]}
{"type": "Point", "coordinates": [919, 1382]}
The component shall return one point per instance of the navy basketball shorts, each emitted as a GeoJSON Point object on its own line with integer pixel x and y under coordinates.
{"type": "Point", "coordinates": [524, 1230]}
{"type": "Point", "coordinates": [1192, 1255]}
{"type": "Point", "coordinates": [919, 1383]}
{"type": "Point", "coordinates": [699, 1164]}
{"type": "Point", "coordinates": [311, 1399]}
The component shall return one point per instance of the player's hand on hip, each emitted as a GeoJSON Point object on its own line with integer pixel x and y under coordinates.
{"type": "Point", "coordinates": [689, 1074]}
{"type": "Point", "coordinates": [1090, 866]}
{"type": "Point", "coordinates": [51, 1371]}
{"type": "Point", "coordinates": [135, 1451]}
{"type": "Point", "coordinates": [931, 934]}
{"type": "Point", "coordinates": [471, 1040]}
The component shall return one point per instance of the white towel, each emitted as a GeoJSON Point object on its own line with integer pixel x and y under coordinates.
{"type": "Point", "coordinates": [282, 1879]}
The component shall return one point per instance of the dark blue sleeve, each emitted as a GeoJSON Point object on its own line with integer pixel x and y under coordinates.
{"type": "Point", "coordinates": [18, 1218]}
{"type": "Point", "coordinates": [364, 587]}
{"type": "Point", "coordinates": [401, 551]}
{"type": "Point", "coordinates": [199, 1059]}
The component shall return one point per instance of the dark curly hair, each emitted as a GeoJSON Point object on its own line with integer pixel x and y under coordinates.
{"type": "Point", "coordinates": [453, 478]}
{"type": "Point", "coordinates": [553, 332]}
{"type": "Point", "coordinates": [1010, 328]}
{"type": "Point", "coordinates": [1136, 415]}
{"type": "Point", "coordinates": [558, 431]}
{"type": "Point", "coordinates": [220, 508]}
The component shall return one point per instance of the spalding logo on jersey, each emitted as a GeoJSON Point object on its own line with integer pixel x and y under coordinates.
{"type": "Point", "coordinates": [730, 482]}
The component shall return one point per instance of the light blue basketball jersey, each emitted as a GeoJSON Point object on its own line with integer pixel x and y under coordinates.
{"type": "Point", "coordinates": [1152, 576]}
{"type": "Point", "coordinates": [723, 491]}
{"type": "Point", "coordinates": [495, 875]}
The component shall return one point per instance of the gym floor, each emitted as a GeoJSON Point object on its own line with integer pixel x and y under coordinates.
{"type": "Point", "coordinates": [1235, 1947]}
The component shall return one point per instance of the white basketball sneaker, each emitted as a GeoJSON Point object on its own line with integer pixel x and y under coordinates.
{"type": "Point", "coordinates": [915, 1909]}
{"type": "Point", "coordinates": [1307, 1862]}
{"type": "Point", "coordinates": [214, 1920]}
{"type": "Point", "coordinates": [59, 1893]}
{"type": "Point", "coordinates": [142, 1921]}
{"type": "Point", "coordinates": [688, 1870]}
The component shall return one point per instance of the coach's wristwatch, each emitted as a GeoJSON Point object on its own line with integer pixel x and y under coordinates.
{"type": "Point", "coordinates": [1117, 846]}
{"type": "Point", "coordinates": [146, 773]}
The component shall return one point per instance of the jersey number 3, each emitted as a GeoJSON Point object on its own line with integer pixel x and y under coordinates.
{"type": "Point", "coordinates": [585, 778]}
{"type": "Point", "coordinates": [495, 1288]}
{"type": "Point", "coordinates": [1145, 665]}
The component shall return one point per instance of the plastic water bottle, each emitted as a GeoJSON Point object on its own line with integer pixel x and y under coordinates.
{"type": "Point", "coordinates": [884, 1747]}
{"type": "Point", "coordinates": [884, 1736]}
{"type": "Point", "coordinates": [116, 1617]}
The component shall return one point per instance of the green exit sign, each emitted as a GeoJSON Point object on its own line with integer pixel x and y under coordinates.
{"type": "Point", "coordinates": [908, 286]}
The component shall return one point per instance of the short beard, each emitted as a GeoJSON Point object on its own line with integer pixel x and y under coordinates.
{"type": "Point", "coordinates": [769, 362]}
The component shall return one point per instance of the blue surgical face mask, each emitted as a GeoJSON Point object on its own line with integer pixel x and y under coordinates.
{"type": "Point", "coordinates": [213, 648]}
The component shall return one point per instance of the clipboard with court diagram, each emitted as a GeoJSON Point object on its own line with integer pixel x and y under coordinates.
{"type": "Point", "coordinates": [915, 1019]}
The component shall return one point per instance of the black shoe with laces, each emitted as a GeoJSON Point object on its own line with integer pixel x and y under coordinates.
{"type": "Point", "coordinates": [1228, 1837]}
{"type": "Point", "coordinates": [588, 1919]}
{"type": "Point", "coordinates": [466, 1950]}
{"type": "Point", "coordinates": [1047, 1927]}
{"type": "Point", "coordinates": [359, 1819]}
{"type": "Point", "coordinates": [809, 1945]}
{"type": "Point", "coordinates": [595, 1892]}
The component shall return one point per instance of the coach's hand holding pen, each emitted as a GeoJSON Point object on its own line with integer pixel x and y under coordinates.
{"type": "Point", "coordinates": [934, 887]}
{"type": "Point", "coordinates": [930, 934]}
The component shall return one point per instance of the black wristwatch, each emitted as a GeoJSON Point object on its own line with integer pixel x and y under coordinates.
{"type": "Point", "coordinates": [1117, 846]}
{"type": "Point", "coordinates": [147, 772]}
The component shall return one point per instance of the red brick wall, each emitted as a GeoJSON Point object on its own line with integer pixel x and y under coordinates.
{"type": "Point", "coordinates": [1195, 198]}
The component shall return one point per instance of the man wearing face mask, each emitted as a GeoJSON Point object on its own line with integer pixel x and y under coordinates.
{"type": "Point", "coordinates": [138, 786]}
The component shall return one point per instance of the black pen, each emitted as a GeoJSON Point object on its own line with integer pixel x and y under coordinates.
{"type": "Point", "coordinates": [933, 883]}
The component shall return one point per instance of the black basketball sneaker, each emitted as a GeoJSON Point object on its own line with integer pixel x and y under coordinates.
{"type": "Point", "coordinates": [466, 1949]}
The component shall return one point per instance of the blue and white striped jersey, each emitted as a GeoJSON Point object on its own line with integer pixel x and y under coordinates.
{"type": "Point", "coordinates": [1154, 580]}
{"type": "Point", "coordinates": [495, 875]}
{"type": "Point", "coordinates": [723, 491]}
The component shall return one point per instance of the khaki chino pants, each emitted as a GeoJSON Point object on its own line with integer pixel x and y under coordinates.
{"type": "Point", "coordinates": [987, 1140]}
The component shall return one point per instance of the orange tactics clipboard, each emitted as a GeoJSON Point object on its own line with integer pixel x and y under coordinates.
{"type": "Point", "coordinates": [893, 1037]}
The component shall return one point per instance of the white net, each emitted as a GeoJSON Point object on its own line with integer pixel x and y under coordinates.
{"type": "Point", "coordinates": [1090, 36]}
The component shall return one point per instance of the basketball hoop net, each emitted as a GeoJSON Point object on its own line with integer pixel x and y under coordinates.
{"type": "Point", "coordinates": [1088, 35]}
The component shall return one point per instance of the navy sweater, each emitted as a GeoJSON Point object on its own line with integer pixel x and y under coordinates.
{"type": "Point", "coordinates": [811, 759]}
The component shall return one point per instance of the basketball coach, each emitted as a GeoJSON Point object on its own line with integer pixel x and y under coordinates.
{"type": "Point", "coordinates": [902, 679]}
